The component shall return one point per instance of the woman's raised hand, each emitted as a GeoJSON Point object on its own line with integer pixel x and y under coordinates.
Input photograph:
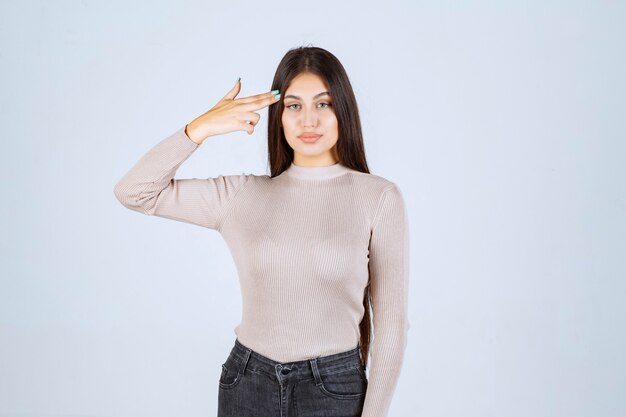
{"type": "Point", "coordinates": [230, 114]}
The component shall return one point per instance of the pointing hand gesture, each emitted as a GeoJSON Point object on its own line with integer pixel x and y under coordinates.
{"type": "Point", "coordinates": [230, 114]}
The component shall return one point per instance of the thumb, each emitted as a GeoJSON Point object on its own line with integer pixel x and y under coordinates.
{"type": "Point", "coordinates": [233, 91]}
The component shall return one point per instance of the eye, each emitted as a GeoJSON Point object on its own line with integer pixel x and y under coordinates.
{"type": "Point", "coordinates": [295, 104]}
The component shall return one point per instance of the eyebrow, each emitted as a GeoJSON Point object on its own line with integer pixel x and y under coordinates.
{"type": "Point", "coordinates": [314, 97]}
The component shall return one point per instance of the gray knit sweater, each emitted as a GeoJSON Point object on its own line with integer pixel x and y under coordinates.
{"type": "Point", "coordinates": [305, 244]}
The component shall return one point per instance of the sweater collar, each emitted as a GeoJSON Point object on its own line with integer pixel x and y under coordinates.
{"type": "Point", "coordinates": [316, 172]}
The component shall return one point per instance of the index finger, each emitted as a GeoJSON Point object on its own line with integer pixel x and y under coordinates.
{"type": "Point", "coordinates": [255, 97]}
{"type": "Point", "coordinates": [264, 100]}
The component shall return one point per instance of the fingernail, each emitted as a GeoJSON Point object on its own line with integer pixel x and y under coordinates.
{"type": "Point", "coordinates": [275, 92]}
{"type": "Point", "coordinates": [277, 96]}
{"type": "Point", "coordinates": [238, 80]}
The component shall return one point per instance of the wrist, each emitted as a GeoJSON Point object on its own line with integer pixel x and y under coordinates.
{"type": "Point", "coordinates": [191, 130]}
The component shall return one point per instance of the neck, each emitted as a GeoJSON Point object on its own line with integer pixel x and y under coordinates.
{"type": "Point", "coordinates": [316, 172]}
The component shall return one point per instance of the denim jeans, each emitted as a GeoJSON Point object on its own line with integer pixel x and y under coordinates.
{"type": "Point", "coordinates": [253, 385]}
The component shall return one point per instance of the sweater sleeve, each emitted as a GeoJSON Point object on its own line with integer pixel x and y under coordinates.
{"type": "Point", "coordinates": [150, 188]}
{"type": "Point", "coordinates": [389, 280]}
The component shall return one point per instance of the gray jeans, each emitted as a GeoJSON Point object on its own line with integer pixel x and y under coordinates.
{"type": "Point", "coordinates": [252, 385]}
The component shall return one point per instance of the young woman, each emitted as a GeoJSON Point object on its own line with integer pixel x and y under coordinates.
{"type": "Point", "coordinates": [316, 244]}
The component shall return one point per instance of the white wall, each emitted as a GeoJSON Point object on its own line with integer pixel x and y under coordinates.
{"type": "Point", "coordinates": [502, 122]}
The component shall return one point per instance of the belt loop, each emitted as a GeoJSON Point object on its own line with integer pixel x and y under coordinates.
{"type": "Point", "coordinates": [245, 361]}
{"type": "Point", "coordinates": [358, 350]}
{"type": "Point", "coordinates": [316, 372]}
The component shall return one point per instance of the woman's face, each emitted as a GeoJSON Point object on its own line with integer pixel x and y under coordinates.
{"type": "Point", "coordinates": [308, 110]}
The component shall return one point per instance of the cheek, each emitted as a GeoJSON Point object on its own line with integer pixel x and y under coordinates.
{"type": "Point", "coordinates": [286, 121]}
{"type": "Point", "coordinates": [329, 118]}
{"type": "Point", "coordinates": [331, 123]}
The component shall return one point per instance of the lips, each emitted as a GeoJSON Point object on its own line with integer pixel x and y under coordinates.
{"type": "Point", "coordinates": [309, 138]}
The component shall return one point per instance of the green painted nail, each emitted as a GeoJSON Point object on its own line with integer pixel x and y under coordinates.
{"type": "Point", "coordinates": [275, 92]}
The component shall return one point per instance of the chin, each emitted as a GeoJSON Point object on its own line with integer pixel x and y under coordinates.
{"type": "Point", "coordinates": [309, 152]}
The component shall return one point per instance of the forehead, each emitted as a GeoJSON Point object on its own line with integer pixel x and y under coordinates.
{"type": "Point", "coordinates": [306, 85]}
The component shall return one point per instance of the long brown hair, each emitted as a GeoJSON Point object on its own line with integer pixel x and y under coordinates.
{"type": "Point", "coordinates": [350, 149]}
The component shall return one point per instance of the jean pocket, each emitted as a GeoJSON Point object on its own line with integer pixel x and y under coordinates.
{"type": "Point", "coordinates": [231, 374]}
{"type": "Point", "coordinates": [350, 383]}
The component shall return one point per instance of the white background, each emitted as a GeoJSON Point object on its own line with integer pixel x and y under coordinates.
{"type": "Point", "coordinates": [502, 123]}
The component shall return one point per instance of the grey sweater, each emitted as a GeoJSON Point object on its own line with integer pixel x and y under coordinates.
{"type": "Point", "coordinates": [305, 244]}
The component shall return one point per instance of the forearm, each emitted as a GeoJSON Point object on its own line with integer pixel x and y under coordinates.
{"type": "Point", "coordinates": [140, 187]}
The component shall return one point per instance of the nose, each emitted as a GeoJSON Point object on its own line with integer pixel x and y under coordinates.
{"type": "Point", "coordinates": [309, 118]}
